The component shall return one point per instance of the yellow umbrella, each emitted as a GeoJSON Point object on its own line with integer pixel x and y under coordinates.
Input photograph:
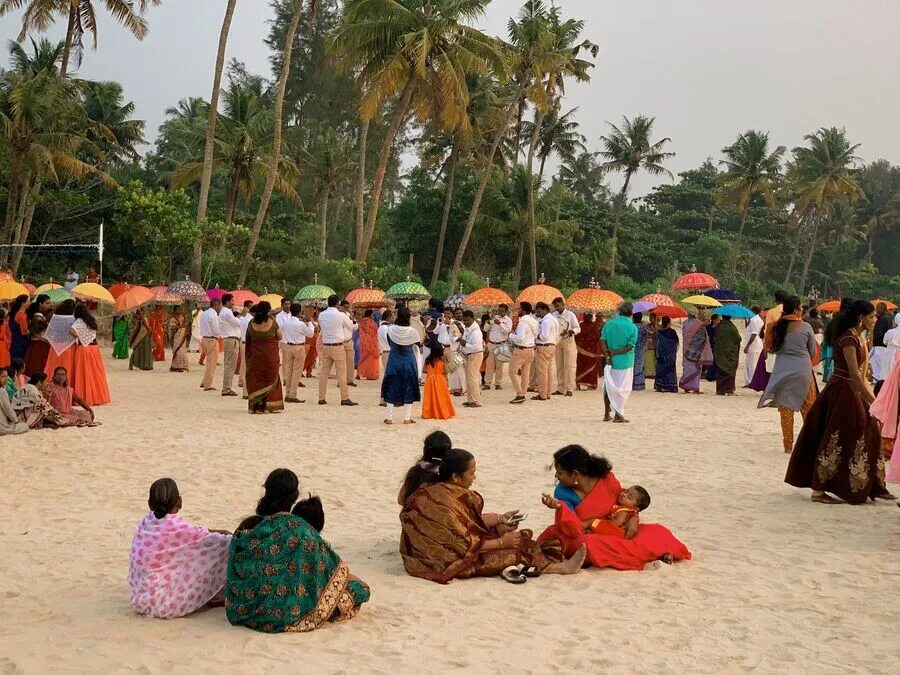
{"type": "Point", "coordinates": [45, 288]}
{"type": "Point", "coordinates": [272, 298]}
{"type": "Point", "coordinates": [93, 292]}
{"type": "Point", "coordinates": [10, 290]}
{"type": "Point", "coordinates": [702, 301]}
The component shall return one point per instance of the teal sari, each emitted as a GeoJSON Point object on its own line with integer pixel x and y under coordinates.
{"type": "Point", "coordinates": [283, 577]}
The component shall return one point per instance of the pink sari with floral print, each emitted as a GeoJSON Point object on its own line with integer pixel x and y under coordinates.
{"type": "Point", "coordinates": [176, 568]}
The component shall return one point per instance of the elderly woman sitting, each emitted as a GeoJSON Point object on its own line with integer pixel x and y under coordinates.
{"type": "Point", "coordinates": [446, 536]}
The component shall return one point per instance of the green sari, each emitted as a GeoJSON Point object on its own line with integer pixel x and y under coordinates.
{"type": "Point", "coordinates": [283, 577]}
{"type": "Point", "coordinates": [120, 337]}
{"type": "Point", "coordinates": [141, 347]}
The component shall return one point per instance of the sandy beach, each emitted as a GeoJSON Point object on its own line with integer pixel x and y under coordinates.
{"type": "Point", "coordinates": [777, 584]}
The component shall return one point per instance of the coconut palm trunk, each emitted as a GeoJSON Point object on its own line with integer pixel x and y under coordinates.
{"type": "Point", "coordinates": [532, 149]}
{"type": "Point", "coordinates": [209, 148]}
{"type": "Point", "coordinates": [732, 275]}
{"type": "Point", "coordinates": [361, 188]}
{"type": "Point", "coordinates": [70, 30]}
{"type": "Point", "coordinates": [25, 228]}
{"type": "Point", "coordinates": [278, 117]}
{"type": "Point", "coordinates": [381, 171]}
{"type": "Point", "coordinates": [811, 249]}
{"type": "Point", "coordinates": [445, 219]}
{"type": "Point", "coordinates": [623, 196]}
{"type": "Point", "coordinates": [323, 226]}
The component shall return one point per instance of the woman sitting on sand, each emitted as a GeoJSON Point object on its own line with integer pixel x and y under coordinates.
{"type": "Point", "coordinates": [587, 482]}
{"type": "Point", "coordinates": [176, 568]}
{"type": "Point", "coordinates": [425, 470]}
{"type": "Point", "coordinates": [282, 576]}
{"type": "Point", "coordinates": [446, 536]}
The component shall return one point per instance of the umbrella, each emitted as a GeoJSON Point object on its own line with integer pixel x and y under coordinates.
{"type": "Point", "coordinates": [58, 295]}
{"type": "Point", "coordinates": [93, 292]}
{"type": "Point", "coordinates": [367, 298]}
{"type": "Point", "coordinates": [702, 301]}
{"type": "Point", "coordinates": [487, 298]}
{"type": "Point", "coordinates": [830, 306]}
{"type": "Point", "coordinates": [10, 290]}
{"type": "Point", "coordinates": [890, 305]}
{"type": "Point", "coordinates": [314, 294]}
{"type": "Point", "coordinates": [241, 296]}
{"type": "Point", "coordinates": [642, 306]}
{"type": "Point", "coordinates": [670, 311]}
{"type": "Point", "coordinates": [659, 299]}
{"type": "Point", "coordinates": [31, 289]}
{"type": "Point", "coordinates": [117, 289]}
{"type": "Point", "coordinates": [6, 275]}
{"type": "Point", "coordinates": [188, 290]}
{"type": "Point", "coordinates": [734, 312]}
{"type": "Point", "coordinates": [165, 298]}
{"type": "Point", "coordinates": [455, 301]}
{"type": "Point", "coordinates": [539, 292]}
{"type": "Point", "coordinates": [594, 300]}
{"type": "Point", "coordinates": [272, 298]}
{"type": "Point", "coordinates": [132, 298]}
{"type": "Point", "coordinates": [159, 290]}
{"type": "Point", "coordinates": [407, 290]}
{"type": "Point", "coordinates": [216, 293]}
{"type": "Point", "coordinates": [695, 281]}
{"type": "Point", "coordinates": [46, 287]}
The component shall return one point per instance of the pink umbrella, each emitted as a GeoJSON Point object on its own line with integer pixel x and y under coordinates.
{"type": "Point", "coordinates": [216, 293]}
{"type": "Point", "coordinates": [241, 296]}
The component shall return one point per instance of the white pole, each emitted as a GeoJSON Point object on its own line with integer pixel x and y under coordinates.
{"type": "Point", "coordinates": [100, 251]}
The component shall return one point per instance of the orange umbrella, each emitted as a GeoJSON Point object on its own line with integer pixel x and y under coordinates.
{"type": "Point", "coordinates": [367, 298]}
{"type": "Point", "coordinates": [660, 300]}
{"type": "Point", "coordinates": [594, 300]}
{"type": "Point", "coordinates": [487, 298]}
{"type": "Point", "coordinates": [132, 298]}
{"type": "Point", "coordinates": [540, 292]}
{"type": "Point", "coordinates": [673, 312]}
{"type": "Point", "coordinates": [830, 306]}
{"type": "Point", "coordinates": [695, 281]}
{"type": "Point", "coordinates": [241, 296]}
{"type": "Point", "coordinates": [890, 305]}
{"type": "Point", "coordinates": [117, 289]}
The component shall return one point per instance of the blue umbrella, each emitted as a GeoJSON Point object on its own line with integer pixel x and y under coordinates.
{"type": "Point", "coordinates": [734, 312]}
{"type": "Point", "coordinates": [723, 295]}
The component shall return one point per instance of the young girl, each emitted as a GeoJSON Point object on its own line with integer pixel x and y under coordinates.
{"type": "Point", "coordinates": [176, 568]}
{"type": "Point", "coordinates": [436, 404]}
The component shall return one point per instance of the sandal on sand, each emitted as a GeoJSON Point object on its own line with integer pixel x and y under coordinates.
{"type": "Point", "coordinates": [530, 571]}
{"type": "Point", "coordinates": [513, 575]}
{"type": "Point", "coordinates": [388, 422]}
{"type": "Point", "coordinates": [825, 499]}
{"type": "Point", "coordinates": [409, 421]}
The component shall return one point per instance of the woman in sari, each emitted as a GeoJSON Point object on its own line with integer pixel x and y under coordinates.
{"type": "Point", "coordinates": [38, 314]}
{"type": "Point", "coordinates": [282, 576]}
{"type": "Point", "coordinates": [263, 379]}
{"type": "Point", "coordinates": [666, 339]}
{"type": "Point", "coordinates": [5, 339]}
{"type": "Point", "coordinates": [588, 365]}
{"type": "Point", "coordinates": [710, 372]}
{"type": "Point", "coordinates": [650, 357]}
{"type": "Point", "coordinates": [588, 490]}
{"type": "Point", "coordinates": [839, 447]}
{"type": "Point", "coordinates": [17, 321]}
{"type": "Point", "coordinates": [89, 380]}
{"type": "Point", "coordinates": [175, 568]}
{"type": "Point", "coordinates": [63, 398]}
{"type": "Point", "coordinates": [158, 333]}
{"type": "Point", "coordinates": [120, 329]}
{"type": "Point", "coordinates": [140, 342]}
{"type": "Point", "coordinates": [727, 354]}
{"type": "Point", "coordinates": [446, 536]}
{"type": "Point", "coordinates": [178, 327]}
{"type": "Point", "coordinates": [640, 352]}
{"type": "Point", "coordinates": [9, 421]}
{"type": "Point", "coordinates": [32, 408]}
{"type": "Point", "coordinates": [369, 367]}
{"type": "Point", "coordinates": [696, 353]}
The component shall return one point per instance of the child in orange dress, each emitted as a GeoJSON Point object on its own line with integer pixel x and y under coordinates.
{"type": "Point", "coordinates": [436, 402]}
{"type": "Point", "coordinates": [631, 501]}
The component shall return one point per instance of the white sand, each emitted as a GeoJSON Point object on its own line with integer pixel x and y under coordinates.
{"type": "Point", "coordinates": [777, 584]}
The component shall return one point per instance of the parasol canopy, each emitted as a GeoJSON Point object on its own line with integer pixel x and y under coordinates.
{"type": "Point", "coordinates": [734, 312]}
{"type": "Point", "coordinates": [272, 298]}
{"type": "Point", "coordinates": [659, 299]}
{"type": "Point", "coordinates": [117, 289]}
{"type": "Point", "coordinates": [642, 306]}
{"type": "Point", "coordinates": [830, 306]}
{"type": "Point", "coordinates": [10, 290]}
{"type": "Point", "coordinates": [94, 292]}
{"type": "Point", "coordinates": [58, 295]}
{"type": "Point", "coordinates": [132, 298]}
{"type": "Point", "coordinates": [407, 290]}
{"type": "Point", "coordinates": [188, 290]}
{"type": "Point", "coordinates": [673, 312]}
{"type": "Point", "coordinates": [702, 301]}
{"type": "Point", "coordinates": [539, 292]}
{"type": "Point", "coordinates": [314, 294]}
{"type": "Point", "coordinates": [455, 301]}
{"type": "Point", "coordinates": [594, 300]}
{"type": "Point", "coordinates": [695, 281]}
{"type": "Point", "coordinates": [367, 298]}
{"type": "Point", "coordinates": [159, 290]}
{"type": "Point", "coordinates": [487, 298]}
{"type": "Point", "coordinates": [241, 296]}
{"type": "Point", "coordinates": [215, 293]}
{"type": "Point", "coordinates": [890, 305]}
{"type": "Point", "coordinates": [31, 288]}
{"type": "Point", "coordinates": [46, 287]}
{"type": "Point", "coordinates": [168, 299]}
{"type": "Point", "coordinates": [723, 295]}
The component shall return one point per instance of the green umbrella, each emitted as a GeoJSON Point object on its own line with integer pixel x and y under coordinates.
{"type": "Point", "coordinates": [58, 295]}
{"type": "Point", "coordinates": [407, 290]}
{"type": "Point", "coordinates": [313, 294]}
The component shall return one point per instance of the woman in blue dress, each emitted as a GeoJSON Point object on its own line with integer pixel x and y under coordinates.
{"type": "Point", "coordinates": [400, 385]}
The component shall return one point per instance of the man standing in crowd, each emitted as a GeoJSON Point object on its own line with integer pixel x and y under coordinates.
{"type": "Point", "coordinates": [349, 345]}
{"type": "Point", "coordinates": [294, 333]}
{"type": "Point", "coordinates": [472, 345]}
{"type": "Point", "coordinates": [523, 339]}
{"type": "Point", "coordinates": [545, 348]}
{"type": "Point", "coordinates": [753, 344]}
{"type": "Point", "coordinates": [335, 326]}
{"type": "Point", "coordinates": [230, 330]}
{"type": "Point", "coordinates": [209, 342]}
{"type": "Point", "coordinates": [617, 341]}
{"type": "Point", "coordinates": [500, 327]}
{"type": "Point", "coordinates": [566, 350]}
{"type": "Point", "coordinates": [246, 318]}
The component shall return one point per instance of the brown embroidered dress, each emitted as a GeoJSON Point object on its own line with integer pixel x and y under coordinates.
{"type": "Point", "coordinates": [839, 447]}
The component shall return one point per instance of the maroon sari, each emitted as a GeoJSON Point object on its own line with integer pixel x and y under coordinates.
{"type": "Point", "coordinates": [588, 368]}
{"type": "Point", "coordinates": [263, 379]}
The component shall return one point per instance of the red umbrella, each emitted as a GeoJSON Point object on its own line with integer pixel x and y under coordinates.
{"type": "Point", "coordinates": [669, 311]}
{"type": "Point", "coordinates": [117, 289]}
{"type": "Point", "coordinates": [241, 296]}
{"type": "Point", "coordinates": [659, 299]}
{"type": "Point", "coordinates": [695, 281]}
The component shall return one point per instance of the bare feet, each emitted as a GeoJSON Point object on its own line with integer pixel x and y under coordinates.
{"type": "Point", "coordinates": [570, 566]}
{"type": "Point", "coordinates": [668, 558]}
{"type": "Point", "coordinates": [822, 498]}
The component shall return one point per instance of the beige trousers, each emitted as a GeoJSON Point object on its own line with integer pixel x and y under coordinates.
{"type": "Point", "coordinates": [493, 366]}
{"type": "Point", "coordinates": [520, 369]}
{"type": "Point", "coordinates": [473, 377]}
{"type": "Point", "coordinates": [544, 357]}
{"type": "Point", "coordinates": [333, 356]}
{"type": "Point", "coordinates": [351, 360]}
{"type": "Point", "coordinates": [566, 362]}
{"type": "Point", "coordinates": [294, 358]}
{"type": "Point", "coordinates": [210, 349]}
{"type": "Point", "coordinates": [231, 353]}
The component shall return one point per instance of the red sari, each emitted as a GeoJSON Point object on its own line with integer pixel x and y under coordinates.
{"type": "Point", "coordinates": [651, 542]}
{"type": "Point", "coordinates": [588, 365]}
{"type": "Point", "coordinates": [158, 333]}
{"type": "Point", "coordinates": [369, 367]}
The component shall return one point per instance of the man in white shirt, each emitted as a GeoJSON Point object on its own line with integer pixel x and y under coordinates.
{"type": "Point", "coordinates": [350, 344]}
{"type": "Point", "coordinates": [230, 330]}
{"type": "Point", "coordinates": [566, 351]}
{"type": "Point", "coordinates": [472, 344]}
{"type": "Point", "coordinates": [334, 326]}
{"type": "Point", "coordinates": [545, 349]}
{"type": "Point", "coordinates": [246, 318]}
{"type": "Point", "coordinates": [294, 333]}
{"type": "Point", "coordinates": [384, 346]}
{"type": "Point", "coordinates": [280, 317]}
{"type": "Point", "coordinates": [523, 339]}
{"type": "Point", "coordinates": [448, 333]}
{"type": "Point", "coordinates": [753, 344]}
{"type": "Point", "coordinates": [209, 342]}
{"type": "Point", "coordinates": [501, 326]}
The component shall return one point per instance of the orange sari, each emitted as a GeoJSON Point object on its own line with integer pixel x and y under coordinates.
{"type": "Point", "coordinates": [369, 367]}
{"type": "Point", "coordinates": [437, 403]}
{"type": "Point", "coordinates": [158, 333]}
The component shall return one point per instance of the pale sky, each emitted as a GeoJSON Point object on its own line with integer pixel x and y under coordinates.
{"type": "Point", "coordinates": [707, 69]}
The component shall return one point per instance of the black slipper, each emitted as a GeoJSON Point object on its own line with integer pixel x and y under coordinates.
{"type": "Point", "coordinates": [513, 575]}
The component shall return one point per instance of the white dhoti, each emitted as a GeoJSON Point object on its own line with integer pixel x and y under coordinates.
{"type": "Point", "coordinates": [751, 360]}
{"type": "Point", "coordinates": [880, 360]}
{"type": "Point", "coordinates": [617, 387]}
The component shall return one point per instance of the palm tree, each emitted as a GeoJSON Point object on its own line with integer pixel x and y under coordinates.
{"type": "Point", "coordinates": [880, 210]}
{"type": "Point", "coordinates": [209, 146]}
{"type": "Point", "coordinates": [583, 176]}
{"type": "Point", "coordinates": [119, 135]}
{"type": "Point", "coordinates": [751, 170]}
{"type": "Point", "coordinates": [417, 54]}
{"type": "Point", "coordinates": [629, 150]}
{"type": "Point", "coordinates": [81, 18]}
{"type": "Point", "coordinates": [275, 158]}
{"type": "Point", "coordinates": [559, 134]}
{"type": "Point", "coordinates": [822, 176]}
{"type": "Point", "coordinates": [328, 162]}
